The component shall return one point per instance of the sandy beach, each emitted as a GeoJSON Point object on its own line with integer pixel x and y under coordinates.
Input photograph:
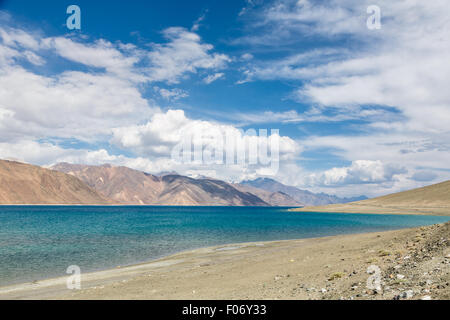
{"type": "Point", "coordinates": [414, 264]}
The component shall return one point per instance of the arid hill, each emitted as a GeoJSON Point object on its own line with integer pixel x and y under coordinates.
{"type": "Point", "coordinates": [129, 186]}
{"type": "Point", "coordinates": [432, 200]}
{"type": "Point", "coordinates": [22, 183]}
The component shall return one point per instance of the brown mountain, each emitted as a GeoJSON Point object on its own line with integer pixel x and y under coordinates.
{"type": "Point", "coordinates": [22, 183]}
{"type": "Point", "coordinates": [129, 186]}
{"type": "Point", "coordinates": [303, 197]}
{"type": "Point", "coordinates": [276, 199]}
{"type": "Point", "coordinates": [434, 199]}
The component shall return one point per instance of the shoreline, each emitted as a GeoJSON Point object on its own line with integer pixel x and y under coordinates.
{"type": "Point", "coordinates": [371, 211]}
{"type": "Point", "coordinates": [220, 262]}
{"type": "Point", "coordinates": [360, 208]}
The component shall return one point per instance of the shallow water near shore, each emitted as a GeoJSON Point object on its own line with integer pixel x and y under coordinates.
{"type": "Point", "coordinates": [38, 242]}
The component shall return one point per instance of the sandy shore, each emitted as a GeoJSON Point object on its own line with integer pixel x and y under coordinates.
{"type": "Point", "coordinates": [414, 263]}
{"type": "Point", "coordinates": [361, 207]}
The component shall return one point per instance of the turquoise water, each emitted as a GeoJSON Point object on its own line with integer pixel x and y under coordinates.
{"type": "Point", "coordinates": [38, 242]}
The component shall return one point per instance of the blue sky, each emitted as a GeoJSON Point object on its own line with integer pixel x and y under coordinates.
{"type": "Point", "coordinates": [359, 111]}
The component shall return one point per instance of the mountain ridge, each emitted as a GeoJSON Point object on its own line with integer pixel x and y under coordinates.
{"type": "Point", "coordinates": [307, 198]}
{"type": "Point", "coordinates": [129, 186]}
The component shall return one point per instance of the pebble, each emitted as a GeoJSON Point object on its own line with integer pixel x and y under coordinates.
{"type": "Point", "coordinates": [400, 276]}
{"type": "Point", "coordinates": [408, 294]}
{"type": "Point", "coordinates": [323, 290]}
{"type": "Point", "coordinates": [426, 298]}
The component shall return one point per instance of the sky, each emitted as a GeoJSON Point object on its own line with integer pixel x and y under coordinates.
{"type": "Point", "coordinates": [359, 110]}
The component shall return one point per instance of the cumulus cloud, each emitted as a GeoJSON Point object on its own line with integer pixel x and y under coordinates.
{"type": "Point", "coordinates": [71, 105]}
{"type": "Point", "coordinates": [360, 172]}
{"type": "Point", "coordinates": [195, 145]}
{"type": "Point", "coordinates": [165, 130]}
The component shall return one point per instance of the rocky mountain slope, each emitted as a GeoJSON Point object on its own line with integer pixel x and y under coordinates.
{"type": "Point", "coordinates": [279, 198]}
{"type": "Point", "coordinates": [129, 186]}
{"type": "Point", "coordinates": [303, 197]}
{"type": "Point", "coordinates": [22, 183]}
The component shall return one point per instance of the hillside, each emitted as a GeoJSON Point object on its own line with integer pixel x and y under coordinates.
{"type": "Point", "coordinates": [129, 186]}
{"type": "Point", "coordinates": [432, 200]}
{"type": "Point", "coordinates": [22, 183]}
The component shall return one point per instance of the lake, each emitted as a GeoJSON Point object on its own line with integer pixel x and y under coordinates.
{"type": "Point", "coordinates": [38, 242]}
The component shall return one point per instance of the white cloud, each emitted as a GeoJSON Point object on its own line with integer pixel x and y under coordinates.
{"type": "Point", "coordinates": [183, 53]}
{"type": "Point", "coordinates": [71, 105]}
{"type": "Point", "coordinates": [360, 172]}
{"type": "Point", "coordinates": [410, 151]}
{"type": "Point", "coordinates": [165, 130]}
{"type": "Point", "coordinates": [213, 77]}
{"type": "Point", "coordinates": [171, 94]}
{"type": "Point", "coordinates": [119, 59]}
{"type": "Point", "coordinates": [158, 137]}
{"type": "Point", "coordinates": [17, 38]}
{"type": "Point", "coordinates": [246, 57]}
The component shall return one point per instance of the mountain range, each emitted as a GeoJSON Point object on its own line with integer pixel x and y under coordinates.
{"type": "Point", "coordinates": [306, 198]}
{"type": "Point", "coordinates": [129, 186]}
{"type": "Point", "coordinates": [66, 183]}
